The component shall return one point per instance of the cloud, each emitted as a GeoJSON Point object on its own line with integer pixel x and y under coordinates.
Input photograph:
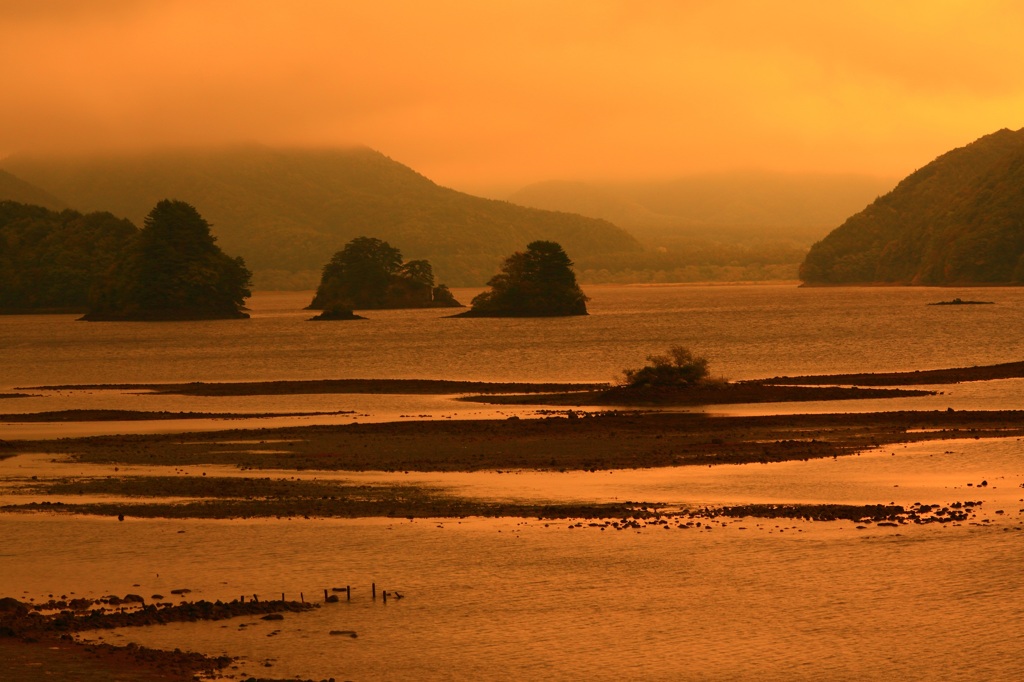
{"type": "Point", "coordinates": [505, 92]}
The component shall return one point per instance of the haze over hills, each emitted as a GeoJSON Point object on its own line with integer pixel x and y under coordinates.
{"type": "Point", "coordinates": [16, 189]}
{"type": "Point", "coordinates": [287, 211]}
{"type": "Point", "coordinates": [958, 220]}
{"type": "Point", "coordinates": [728, 206]}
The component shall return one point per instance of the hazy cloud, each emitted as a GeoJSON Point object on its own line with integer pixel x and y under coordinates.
{"type": "Point", "coordinates": [478, 93]}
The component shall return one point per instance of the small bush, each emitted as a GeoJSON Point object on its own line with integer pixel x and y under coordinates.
{"type": "Point", "coordinates": [679, 367]}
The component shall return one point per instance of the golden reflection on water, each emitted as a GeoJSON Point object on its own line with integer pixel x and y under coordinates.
{"type": "Point", "coordinates": [494, 599]}
{"type": "Point", "coordinates": [524, 599]}
{"type": "Point", "coordinates": [502, 599]}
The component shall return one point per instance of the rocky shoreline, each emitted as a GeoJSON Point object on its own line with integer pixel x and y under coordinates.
{"type": "Point", "coordinates": [38, 641]}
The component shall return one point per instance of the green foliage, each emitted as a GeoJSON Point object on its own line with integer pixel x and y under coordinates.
{"type": "Point", "coordinates": [679, 367]}
{"type": "Point", "coordinates": [50, 260]}
{"type": "Point", "coordinates": [536, 283]}
{"type": "Point", "coordinates": [173, 270]}
{"type": "Point", "coordinates": [368, 274]}
{"type": "Point", "coordinates": [958, 220]}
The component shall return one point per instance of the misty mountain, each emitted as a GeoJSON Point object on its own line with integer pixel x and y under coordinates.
{"type": "Point", "coordinates": [958, 220]}
{"type": "Point", "coordinates": [287, 211]}
{"type": "Point", "coordinates": [731, 206]}
{"type": "Point", "coordinates": [15, 189]}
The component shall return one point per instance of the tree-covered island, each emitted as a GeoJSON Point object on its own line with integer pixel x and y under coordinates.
{"type": "Point", "coordinates": [172, 270]}
{"type": "Point", "coordinates": [538, 282]}
{"type": "Point", "coordinates": [50, 260]}
{"type": "Point", "coordinates": [369, 274]}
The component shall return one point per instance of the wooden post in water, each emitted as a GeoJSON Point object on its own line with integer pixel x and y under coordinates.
{"type": "Point", "coordinates": [325, 595]}
{"type": "Point", "coordinates": [256, 598]}
{"type": "Point", "coordinates": [348, 593]}
{"type": "Point", "coordinates": [282, 596]}
{"type": "Point", "coordinates": [373, 587]}
{"type": "Point", "coordinates": [302, 598]}
{"type": "Point", "coordinates": [385, 596]}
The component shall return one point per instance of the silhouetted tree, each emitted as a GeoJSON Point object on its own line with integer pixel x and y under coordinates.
{"type": "Point", "coordinates": [679, 367]}
{"type": "Point", "coordinates": [368, 273]}
{"type": "Point", "coordinates": [538, 282]}
{"type": "Point", "coordinates": [173, 270]}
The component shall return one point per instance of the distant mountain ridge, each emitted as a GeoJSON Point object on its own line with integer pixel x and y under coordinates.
{"type": "Point", "coordinates": [957, 220]}
{"type": "Point", "coordinates": [15, 189]}
{"type": "Point", "coordinates": [741, 203]}
{"type": "Point", "coordinates": [287, 211]}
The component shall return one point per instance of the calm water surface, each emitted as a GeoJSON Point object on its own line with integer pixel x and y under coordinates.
{"type": "Point", "coordinates": [746, 331]}
{"type": "Point", "coordinates": [513, 599]}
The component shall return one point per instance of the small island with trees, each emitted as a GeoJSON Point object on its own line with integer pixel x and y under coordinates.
{"type": "Point", "coordinates": [538, 282]}
{"type": "Point", "coordinates": [369, 274]}
{"type": "Point", "coordinates": [172, 270]}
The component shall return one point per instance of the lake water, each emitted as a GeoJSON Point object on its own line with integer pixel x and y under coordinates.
{"type": "Point", "coordinates": [523, 599]}
{"type": "Point", "coordinates": [746, 331]}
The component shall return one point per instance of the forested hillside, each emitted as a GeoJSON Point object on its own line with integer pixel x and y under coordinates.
{"type": "Point", "coordinates": [287, 211]}
{"type": "Point", "coordinates": [49, 260]}
{"type": "Point", "coordinates": [958, 220]}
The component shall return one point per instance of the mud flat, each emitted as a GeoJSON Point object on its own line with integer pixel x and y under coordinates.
{"type": "Point", "coordinates": [956, 375]}
{"type": "Point", "coordinates": [772, 390]}
{"type": "Point", "coordinates": [142, 415]}
{"type": "Point", "coordinates": [233, 497]}
{"type": "Point", "coordinates": [573, 441]}
{"type": "Point", "coordinates": [329, 386]}
{"type": "Point", "coordinates": [706, 394]}
{"type": "Point", "coordinates": [36, 640]}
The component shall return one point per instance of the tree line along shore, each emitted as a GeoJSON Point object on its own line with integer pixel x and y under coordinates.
{"type": "Point", "coordinates": [173, 269]}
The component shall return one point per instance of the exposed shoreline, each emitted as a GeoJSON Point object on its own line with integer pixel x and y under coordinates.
{"type": "Point", "coordinates": [142, 415]}
{"type": "Point", "coordinates": [36, 640]}
{"type": "Point", "coordinates": [331, 386]}
{"type": "Point", "coordinates": [701, 394]}
{"type": "Point", "coordinates": [614, 440]}
{"type": "Point", "coordinates": [772, 389]}
{"type": "Point", "coordinates": [567, 441]}
{"type": "Point", "coordinates": [955, 375]}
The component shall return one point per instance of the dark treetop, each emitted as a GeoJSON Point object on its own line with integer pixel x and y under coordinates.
{"type": "Point", "coordinates": [536, 283]}
{"type": "Point", "coordinates": [173, 270]}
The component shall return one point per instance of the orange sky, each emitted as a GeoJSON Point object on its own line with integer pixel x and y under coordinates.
{"type": "Point", "coordinates": [493, 93]}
